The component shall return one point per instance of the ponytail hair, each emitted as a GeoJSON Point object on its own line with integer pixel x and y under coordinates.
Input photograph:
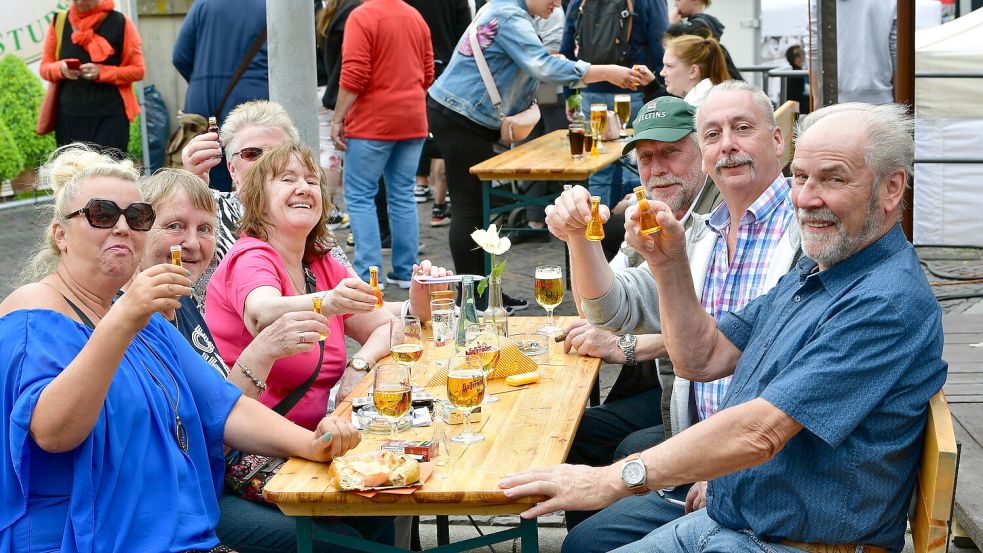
{"type": "Point", "coordinates": [704, 52]}
{"type": "Point", "coordinates": [65, 169]}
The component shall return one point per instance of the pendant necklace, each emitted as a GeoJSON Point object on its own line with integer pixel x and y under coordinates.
{"type": "Point", "coordinates": [180, 433]}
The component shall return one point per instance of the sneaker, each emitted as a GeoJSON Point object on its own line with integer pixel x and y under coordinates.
{"type": "Point", "coordinates": [441, 215]}
{"type": "Point", "coordinates": [514, 303]}
{"type": "Point", "coordinates": [387, 245]}
{"type": "Point", "coordinates": [337, 220]}
{"type": "Point", "coordinates": [391, 278]}
{"type": "Point", "coordinates": [422, 193]}
{"type": "Point", "coordinates": [350, 242]}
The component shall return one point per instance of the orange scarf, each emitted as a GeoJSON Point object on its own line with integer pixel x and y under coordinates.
{"type": "Point", "coordinates": [85, 33]}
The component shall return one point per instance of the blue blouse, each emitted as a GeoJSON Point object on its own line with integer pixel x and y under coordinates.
{"type": "Point", "coordinates": [128, 486]}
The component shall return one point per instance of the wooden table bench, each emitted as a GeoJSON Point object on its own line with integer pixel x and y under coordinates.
{"type": "Point", "coordinates": [529, 427]}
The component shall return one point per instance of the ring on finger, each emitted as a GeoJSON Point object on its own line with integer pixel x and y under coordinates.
{"type": "Point", "coordinates": [300, 337]}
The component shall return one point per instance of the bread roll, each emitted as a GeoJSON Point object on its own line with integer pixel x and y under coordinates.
{"type": "Point", "coordinates": [370, 470]}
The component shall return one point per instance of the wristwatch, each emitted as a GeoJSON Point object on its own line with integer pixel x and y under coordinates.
{"type": "Point", "coordinates": [359, 364]}
{"type": "Point", "coordinates": [633, 474]}
{"type": "Point", "coordinates": [627, 345]}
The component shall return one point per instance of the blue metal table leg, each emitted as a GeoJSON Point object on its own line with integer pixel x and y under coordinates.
{"type": "Point", "coordinates": [529, 535]}
{"type": "Point", "coordinates": [305, 539]}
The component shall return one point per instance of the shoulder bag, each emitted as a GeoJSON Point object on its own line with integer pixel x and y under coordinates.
{"type": "Point", "coordinates": [513, 127]}
{"type": "Point", "coordinates": [245, 473]}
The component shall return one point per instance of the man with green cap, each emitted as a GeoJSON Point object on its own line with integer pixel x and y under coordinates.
{"type": "Point", "coordinates": [740, 149]}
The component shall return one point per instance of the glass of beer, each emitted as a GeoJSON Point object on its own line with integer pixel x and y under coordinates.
{"type": "Point", "coordinates": [589, 145]}
{"type": "Point", "coordinates": [391, 393]}
{"type": "Point", "coordinates": [576, 136]}
{"type": "Point", "coordinates": [466, 384]}
{"type": "Point", "coordinates": [481, 340]}
{"type": "Point", "coordinates": [549, 293]}
{"type": "Point", "coordinates": [622, 106]}
{"type": "Point", "coordinates": [598, 122]}
{"type": "Point", "coordinates": [442, 322]}
{"type": "Point", "coordinates": [406, 340]}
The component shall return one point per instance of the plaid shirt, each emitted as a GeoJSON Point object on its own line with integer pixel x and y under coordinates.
{"type": "Point", "coordinates": [731, 284]}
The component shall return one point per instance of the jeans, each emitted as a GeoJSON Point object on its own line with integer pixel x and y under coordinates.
{"type": "Point", "coordinates": [625, 521]}
{"type": "Point", "coordinates": [251, 527]}
{"type": "Point", "coordinates": [697, 532]}
{"type": "Point", "coordinates": [396, 161]}
{"type": "Point", "coordinates": [612, 182]}
{"type": "Point", "coordinates": [615, 430]}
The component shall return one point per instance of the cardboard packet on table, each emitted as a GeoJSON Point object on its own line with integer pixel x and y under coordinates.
{"type": "Point", "coordinates": [422, 451]}
{"type": "Point", "coordinates": [453, 416]}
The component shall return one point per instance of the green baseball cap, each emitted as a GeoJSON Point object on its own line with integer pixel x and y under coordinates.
{"type": "Point", "coordinates": [666, 119]}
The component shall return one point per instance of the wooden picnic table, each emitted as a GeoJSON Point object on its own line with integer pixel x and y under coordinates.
{"type": "Point", "coordinates": [530, 426]}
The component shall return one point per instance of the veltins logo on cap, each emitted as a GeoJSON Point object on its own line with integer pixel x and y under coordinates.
{"type": "Point", "coordinates": [666, 119]}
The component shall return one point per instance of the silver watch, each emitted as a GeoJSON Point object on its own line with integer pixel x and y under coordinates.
{"type": "Point", "coordinates": [359, 364]}
{"type": "Point", "coordinates": [627, 345]}
{"type": "Point", "coordinates": [633, 474]}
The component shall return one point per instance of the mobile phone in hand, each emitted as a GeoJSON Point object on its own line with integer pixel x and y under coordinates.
{"type": "Point", "coordinates": [73, 64]}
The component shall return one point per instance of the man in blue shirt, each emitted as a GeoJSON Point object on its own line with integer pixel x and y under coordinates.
{"type": "Point", "coordinates": [819, 435]}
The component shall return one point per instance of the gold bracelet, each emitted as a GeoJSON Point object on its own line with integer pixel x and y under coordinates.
{"type": "Point", "coordinates": [256, 382]}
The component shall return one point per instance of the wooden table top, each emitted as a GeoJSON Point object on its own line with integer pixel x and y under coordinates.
{"type": "Point", "coordinates": [529, 427]}
{"type": "Point", "coordinates": [546, 158]}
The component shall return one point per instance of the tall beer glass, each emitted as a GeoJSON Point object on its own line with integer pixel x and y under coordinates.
{"type": "Point", "coordinates": [391, 393]}
{"type": "Point", "coordinates": [549, 293]}
{"type": "Point", "coordinates": [406, 341]}
{"type": "Point", "coordinates": [622, 106]}
{"type": "Point", "coordinates": [466, 385]}
{"type": "Point", "coordinates": [443, 322]}
{"type": "Point", "coordinates": [598, 122]}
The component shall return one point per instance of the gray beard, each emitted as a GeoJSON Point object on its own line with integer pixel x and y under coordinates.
{"type": "Point", "coordinates": [834, 249]}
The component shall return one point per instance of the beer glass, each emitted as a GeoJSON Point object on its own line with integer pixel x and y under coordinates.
{"type": "Point", "coordinates": [482, 341]}
{"type": "Point", "coordinates": [549, 293]}
{"type": "Point", "coordinates": [406, 340]}
{"type": "Point", "coordinates": [466, 384]}
{"type": "Point", "coordinates": [589, 149]}
{"type": "Point", "coordinates": [391, 393]}
{"type": "Point", "coordinates": [576, 136]}
{"type": "Point", "coordinates": [598, 122]}
{"type": "Point", "coordinates": [443, 322]}
{"type": "Point", "coordinates": [622, 106]}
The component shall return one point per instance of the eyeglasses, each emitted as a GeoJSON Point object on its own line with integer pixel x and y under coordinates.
{"type": "Point", "coordinates": [249, 154]}
{"type": "Point", "coordinates": [105, 214]}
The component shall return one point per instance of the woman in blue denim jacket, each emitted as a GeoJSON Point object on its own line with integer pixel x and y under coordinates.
{"type": "Point", "coordinates": [466, 125]}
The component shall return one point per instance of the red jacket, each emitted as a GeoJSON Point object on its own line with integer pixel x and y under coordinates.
{"type": "Point", "coordinates": [387, 60]}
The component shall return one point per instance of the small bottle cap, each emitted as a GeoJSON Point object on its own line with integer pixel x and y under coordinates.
{"type": "Point", "coordinates": [175, 249]}
{"type": "Point", "coordinates": [373, 269]}
{"type": "Point", "coordinates": [595, 199]}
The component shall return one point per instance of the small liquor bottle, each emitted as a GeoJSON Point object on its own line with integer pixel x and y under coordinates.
{"type": "Point", "coordinates": [176, 255]}
{"type": "Point", "coordinates": [213, 124]}
{"type": "Point", "coordinates": [374, 283]}
{"type": "Point", "coordinates": [595, 229]}
{"type": "Point", "coordinates": [646, 219]}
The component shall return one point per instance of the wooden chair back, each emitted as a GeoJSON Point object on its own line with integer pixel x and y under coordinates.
{"type": "Point", "coordinates": [936, 484]}
{"type": "Point", "coordinates": [785, 117]}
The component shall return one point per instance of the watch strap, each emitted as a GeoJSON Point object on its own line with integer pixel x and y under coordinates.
{"type": "Point", "coordinates": [637, 489]}
{"type": "Point", "coordinates": [628, 347]}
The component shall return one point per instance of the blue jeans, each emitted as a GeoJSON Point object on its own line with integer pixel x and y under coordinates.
{"type": "Point", "coordinates": [624, 522]}
{"type": "Point", "coordinates": [251, 527]}
{"type": "Point", "coordinates": [697, 532]}
{"type": "Point", "coordinates": [396, 161]}
{"type": "Point", "coordinates": [612, 182]}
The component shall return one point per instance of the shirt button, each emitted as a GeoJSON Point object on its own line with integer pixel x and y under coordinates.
{"type": "Point", "coordinates": [797, 298]}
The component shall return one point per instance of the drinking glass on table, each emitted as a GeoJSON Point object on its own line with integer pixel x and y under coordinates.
{"type": "Point", "coordinates": [443, 322]}
{"type": "Point", "coordinates": [598, 122]}
{"type": "Point", "coordinates": [406, 340]}
{"type": "Point", "coordinates": [622, 106]}
{"type": "Point", "coordinates": [466, 383]}
{"type": "Point", "coordinates": [482, 340]}
{"type": "Point", "coordinates": [576, 136]}
{"type": "Point", "coordinates": [391, 393]}
{"type": "Point", "coordinates": [549, 293]}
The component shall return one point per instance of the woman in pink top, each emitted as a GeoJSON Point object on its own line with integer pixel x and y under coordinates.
{"type": "Point", "coordinates": [263, 276]}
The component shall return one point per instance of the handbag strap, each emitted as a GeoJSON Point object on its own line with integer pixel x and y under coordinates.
{"type": "Point", "coordinates": [486, 76]}
{"type": "Point", "coordinates": [288, 403]}
{"type": "Point", "coordinates": [246, 60]}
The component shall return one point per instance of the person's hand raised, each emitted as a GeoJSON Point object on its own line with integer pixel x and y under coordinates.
{"type": "Point", "coordinates": [661, 247]}
{"type": "Point", "coordinates": [567, 218]}
{"type": "Point", "coordinates": [351, 295]}
{"type": "Point", "coordinates": [201, 154]}
{"type": "Point", "coordinates": [155, 290]}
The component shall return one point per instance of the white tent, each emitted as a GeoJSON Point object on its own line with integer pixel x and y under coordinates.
{"type": "Point", "coordinates": [949, 124]}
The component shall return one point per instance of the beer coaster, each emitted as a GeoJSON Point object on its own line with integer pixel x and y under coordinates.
{"type": "Point", "coordinates": [510, 361]}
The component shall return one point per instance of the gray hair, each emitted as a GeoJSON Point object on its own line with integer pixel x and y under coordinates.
{"type": "Point", "coordinates": [66, 168]}
{"type": "Point", "coordinates": [890, 133]}
{"type": "Point", "coordinates": [757, 95]}
{"type": "Point", "coordinates": [256, 113]}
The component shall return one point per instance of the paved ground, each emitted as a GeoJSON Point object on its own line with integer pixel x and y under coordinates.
{"type": "Point", "coordinates": [20, 228]}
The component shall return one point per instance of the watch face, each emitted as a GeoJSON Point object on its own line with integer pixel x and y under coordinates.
{"type": "Point", "coordinates": [359, 364]}
{"type": "Point", "coordinates": [633, 473]}
{"type": "Point", "coordinates": [627, 340]}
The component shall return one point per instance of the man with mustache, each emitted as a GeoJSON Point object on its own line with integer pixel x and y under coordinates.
{"type": "Point", "coordinates": [737, 253]}
{"type": "Point", "coordinates": [816, 444]}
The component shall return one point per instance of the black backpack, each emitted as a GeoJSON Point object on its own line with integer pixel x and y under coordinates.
{"type": "Point", "coordinates": [603, 31]}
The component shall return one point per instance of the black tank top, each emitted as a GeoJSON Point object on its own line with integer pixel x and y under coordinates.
{"type": "Point", "coordinates": [85, 97]}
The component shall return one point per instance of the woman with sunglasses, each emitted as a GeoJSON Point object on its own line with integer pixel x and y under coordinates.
{"type": "Point", "coordinates": [113, 426]}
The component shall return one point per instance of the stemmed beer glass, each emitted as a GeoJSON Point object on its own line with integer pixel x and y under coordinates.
{"type": "Point", "coordinates": [481, 340]}
{"type": "Point", "coordinates": [391, 393]}
{"type": "Point", "coordinates": [549, 293]}
{"type": "Point", "coordinates": [466, 383]}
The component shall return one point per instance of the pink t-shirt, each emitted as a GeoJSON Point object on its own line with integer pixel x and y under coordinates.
{"type": "Point", "coordinates": [252, 263]}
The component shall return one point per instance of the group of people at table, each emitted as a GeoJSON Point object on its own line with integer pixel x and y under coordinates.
{"type": "Point", "coordinates": [803, 336]}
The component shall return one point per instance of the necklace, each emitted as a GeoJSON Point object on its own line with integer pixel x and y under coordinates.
{"type": "Point", "coordinates": [298, 290]}
{"type": "Point", "coordinates": [180, 433]}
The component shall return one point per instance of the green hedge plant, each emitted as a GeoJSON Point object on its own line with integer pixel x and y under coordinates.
{"type": "Point", "coordinates": [11, 160]}
{"type": "Point", "coordinates": [21, 94]}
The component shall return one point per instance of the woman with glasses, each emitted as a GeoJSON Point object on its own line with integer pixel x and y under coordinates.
{"type": "Point", "coordinates": [113, 426]}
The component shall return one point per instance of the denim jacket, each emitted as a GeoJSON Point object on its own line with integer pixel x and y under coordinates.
{"type": "Point", "coordinates": [517, 60]}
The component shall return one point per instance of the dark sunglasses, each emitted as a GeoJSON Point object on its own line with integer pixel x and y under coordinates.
{"type": "Point", "coordinates": [105, 213]}
{"type": "Point", "coordinates": [249, 154]}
